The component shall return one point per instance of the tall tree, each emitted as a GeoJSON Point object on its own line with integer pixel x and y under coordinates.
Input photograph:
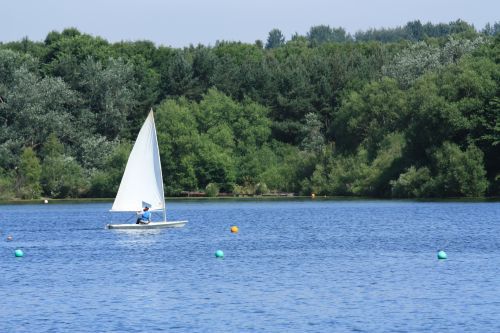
{"type": "Point", "coordinates": [275, 39]}
{"type": "Point", "coordinates": [29, 175]}
{"type": "Point", "coordinates": [108, 91]}
{"type": "Point", "coordinates": [61, 175]}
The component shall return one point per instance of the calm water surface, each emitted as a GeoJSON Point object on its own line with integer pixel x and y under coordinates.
{"type": "Point", "coordinates": [295, 266]}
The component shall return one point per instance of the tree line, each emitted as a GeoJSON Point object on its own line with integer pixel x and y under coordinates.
{"type": "Point", "coordinates": [404, 112]}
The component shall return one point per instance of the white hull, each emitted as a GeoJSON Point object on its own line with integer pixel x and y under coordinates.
{"type": "Point", "coordinates": [152, 225]}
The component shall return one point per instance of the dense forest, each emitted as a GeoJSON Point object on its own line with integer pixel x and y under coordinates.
{"type": "Point", "coordinates": [404, 112]}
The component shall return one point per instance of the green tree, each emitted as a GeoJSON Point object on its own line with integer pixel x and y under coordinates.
{"type": "Point", "coordinates": [247, 121]}
{"type": "Point", "coordinates": [491, 30]}
{"type": "Point", "coordinates": [387, 165]}
{"type": "Point", "coordinates": [36, 107]}
{"type": "Point", "coordinates": [344, 175]}
{"type": "Point", "coordinates": [275, 39]}
{"type": "Point", "coordinates": [94, 152]}
{"type": "Point", "coordinates": [415, 30]}
{"type": "Point", "coordinates": [29, 175]}
{"type": "Point", "coordinates": [413, 183]}
{"type": "Point", "coordinates": [104, 183]}
{"type": "Point", "coordinates": [52, 146]}
{"type": "Point", "coordinates": [314, 140]}
{"type": "Point", "coordinates": [68, 50]}
{"type": "Point", "coordinates": [61, 175]}
{"type": "Point", "coordinates": [253, 165]}
{"type": "Point", "coordinates": [178, 139]}
{"type": "Point", "coordinates": [212, 190]}
{"type": "Point", "coordinates": [422, 57]}
{"type": "Point", "coordinates": [292, 99]}
{"type": "Point", "coordinates": [179, 78]}
{"type": "Point", "coordinates": [109, 92]}
{"type": "Point", "coordinates": [7, 183]}
{"type": "Point", "coordinates": [214, 165]}
{"type": "Point", "coordinates": [433, 119]}
{"type": "Point", "coordinates": [240, 71]}
{"type": "Point", "coordinates": [370, 114]}
{"type": "Point", "coordinates": [10, 62]}
{"type": "Point", "coordinates": [204, 65]}
{"type": "Point", "coordinates": [320, 34]}
{"type": "Point", "coordinates": [459, 173]}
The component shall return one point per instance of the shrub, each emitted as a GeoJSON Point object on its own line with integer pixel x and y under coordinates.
{"type": "Point", "coordinates": [6, 186]}
{"type": "Point", "coordinates": [212, 190]}
{"type": "Point", "coordinates": [261, 188]}
{"type": "Point", "coordinates": [459, 173]}
{"type": "Point", "coordinates": [411, 184]}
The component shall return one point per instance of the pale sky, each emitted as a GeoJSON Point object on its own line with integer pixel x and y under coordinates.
{"type": "Point", "coordinates": [179, 23]}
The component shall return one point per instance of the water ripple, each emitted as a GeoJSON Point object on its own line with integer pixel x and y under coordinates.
{"type": "Point", "coordinates": [295, 266]}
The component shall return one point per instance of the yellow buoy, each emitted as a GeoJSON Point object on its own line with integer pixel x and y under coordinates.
{"type": "Point", "coordinates": [234, 229]}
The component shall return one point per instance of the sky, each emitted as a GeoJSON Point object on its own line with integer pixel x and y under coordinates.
{"type": "Point", "coordinates": [179, 23]}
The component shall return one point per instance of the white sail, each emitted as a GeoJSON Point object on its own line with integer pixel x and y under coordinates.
{"type": "Point", "coordinates": [142, 182]}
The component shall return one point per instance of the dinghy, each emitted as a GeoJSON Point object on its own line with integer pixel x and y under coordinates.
{"type": "Point", "coordinates": [152, 225]}
{"type": "Point", "coordinates": [142, 181]}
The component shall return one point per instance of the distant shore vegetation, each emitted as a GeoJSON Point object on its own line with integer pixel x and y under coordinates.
{"type": "Point", "coordinates": [405, 112]}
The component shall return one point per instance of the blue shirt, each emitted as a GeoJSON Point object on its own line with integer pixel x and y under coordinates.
{"type": "Point", "coordinates": [146, 216]}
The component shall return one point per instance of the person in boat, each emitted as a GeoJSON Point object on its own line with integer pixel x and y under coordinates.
{"type": "Point", "coordinates": [145, 217]}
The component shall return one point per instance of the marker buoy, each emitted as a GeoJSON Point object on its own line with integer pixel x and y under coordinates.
{"type": "Point", "coordinates": [442, 255]}
{"type": "Point", "coordinates": [313, 195]}
{"type": "Point", "coordinates": [234, 229]}
{"type": "Point", "coordinates": [9, 238]}
{"type": "Point", "coordinates": [18, 253]}
{"type": "Point", "coordinates": [219, 254]}
{"type": "Point", "coordinates": [45, 201]}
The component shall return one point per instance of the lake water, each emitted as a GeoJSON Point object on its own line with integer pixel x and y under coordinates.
{"type": "Point", "coordinates": [294, 266]}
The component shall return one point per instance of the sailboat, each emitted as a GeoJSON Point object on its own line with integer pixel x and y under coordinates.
{"type": "Point", "coordinates": [142, 181]}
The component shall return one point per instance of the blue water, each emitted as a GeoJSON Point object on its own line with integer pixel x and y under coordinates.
{"type": "Point", "coordinates": [295, 266]}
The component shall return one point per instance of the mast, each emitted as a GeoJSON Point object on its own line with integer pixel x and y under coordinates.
{"type": "Point", "coordinates": [161, 173]}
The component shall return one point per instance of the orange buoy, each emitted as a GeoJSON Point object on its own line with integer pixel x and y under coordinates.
{"type": "Point", "coordinates": [234, 229]}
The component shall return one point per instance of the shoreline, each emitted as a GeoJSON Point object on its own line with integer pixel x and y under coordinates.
{"type": "Point", "coordinates": [251, 198]}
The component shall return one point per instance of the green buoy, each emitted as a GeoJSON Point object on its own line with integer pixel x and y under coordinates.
{"type": "Point", "coordinates": [219, 254]}
{"type": "Point", "coordinates": [19, 253]}
{"type": "Point", "coordinates": [442, 255]}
